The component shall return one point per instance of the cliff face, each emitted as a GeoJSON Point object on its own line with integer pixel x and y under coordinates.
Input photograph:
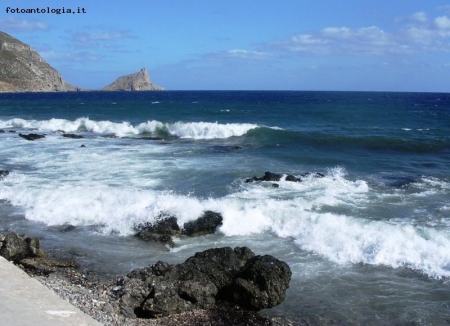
{"type": "Point", "coordinates": [139, 81]}
{"type": "Point", "coordinates": [22, 69]}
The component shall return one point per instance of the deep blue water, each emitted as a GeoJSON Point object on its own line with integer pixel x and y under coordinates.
{"type": "Point", "coordinates": [368, 244]}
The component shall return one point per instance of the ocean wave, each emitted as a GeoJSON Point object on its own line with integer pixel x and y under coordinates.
{"type": "Point", "coordinates": [294, 210]}
{"type": "Point", "coordinates": [190, 130]}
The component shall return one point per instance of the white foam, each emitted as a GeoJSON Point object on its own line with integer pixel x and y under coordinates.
{"type": "Point", "coordinates": [294, 210]}
{"type": "Point", "coordinates": [193, 130]}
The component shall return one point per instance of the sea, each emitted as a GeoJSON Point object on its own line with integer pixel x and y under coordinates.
{"type": "Point", "coordinates": [366, 230]}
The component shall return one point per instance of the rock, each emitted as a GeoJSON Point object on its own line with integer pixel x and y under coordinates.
{"type": "Point", "coordinates": [2, 131]}
{"type": "Point", "coordinates": [203, 281]}
{"type": "Point", "coordinates": [152, 138]}
{"type": "Point", "coordinates": [226, 148]}
{"type": "Point", "coordinates": [22, 69]}
{"type": "Point", "coordinates": [32, 136]}
{"type": "Point", "coordinates": [139, 81]}
{"type": "Point", "coordinates": [3, 174]}
{"type": "Point", "coordinates": [262, 283]}
{"type": "Point", "coordinates": [82, 146]}
{"type": "Point", "coordinates": [73, 136]}
{"type": "Point", "coordinates": [269, 176]}
{"type": "Point", "coordinates": [16, 248]}
{"type": "Point", "coordinates": [160, 231]}
{"type": "Point", "coordinates": [45, 266]}
{"type": "Point", "coordinates": [205, 224]}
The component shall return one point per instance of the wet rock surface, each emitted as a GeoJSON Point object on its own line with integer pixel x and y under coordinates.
{"type": "Point", "coordinates": [274, 177]}
{"type": "Point", "coordinates": [203, 281]}
{"type": "Point", "coordinates": [31, 137]}
{"type": "Point", "coordinates": [166, 227]}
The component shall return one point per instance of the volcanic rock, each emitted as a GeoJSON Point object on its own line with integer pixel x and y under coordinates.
{"type": "Point", "coordinates": [139, 81]}
{"type": "Point", "coordinates": [202, 281]}
{"type": "Point", "coordinates": [205, 224]}
{"type": "Point", "coordinates": [31, 137]}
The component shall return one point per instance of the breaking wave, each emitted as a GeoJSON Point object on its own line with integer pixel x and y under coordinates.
{"type": "Point", "coordinates": [191, 130]}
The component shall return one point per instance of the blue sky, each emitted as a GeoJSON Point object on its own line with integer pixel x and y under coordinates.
{"type": "Point", "coordinates": [355, 45]}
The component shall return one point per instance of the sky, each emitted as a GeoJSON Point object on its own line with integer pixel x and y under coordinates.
{"type": "Point", "coordinates": [347, 45]}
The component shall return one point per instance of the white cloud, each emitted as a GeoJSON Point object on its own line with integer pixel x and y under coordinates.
{"type": "Point", "coordinates": [419, 17]}
{"type": "Point", "coordinates": [343, 40]}
{"type": "Point", "coordinates": [418, 34]}
{"type": "Point", "coordinates": [95, 37]}
{"type": "Point", "coordinates": [442, 23]}
{"type": "Point", "coordinates": [103, 37]}
{"type": "Point", "coordinates": [11, 24]}
{"type": "Point", "coordinates": [69, 56]}
{"type": "Point", "coordinates": [237, 54]}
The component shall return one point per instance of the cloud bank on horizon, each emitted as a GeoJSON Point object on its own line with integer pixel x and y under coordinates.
{"type": "Point", "coordinates": [248, 45]}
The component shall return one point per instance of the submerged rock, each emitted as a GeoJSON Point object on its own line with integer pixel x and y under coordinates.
{"type": "Point", "coordinates": [31, 137]}
{"type": "Point", "coordinates": [234, 275]}
{"type": "Point", "coordinates": [3, 174]}
{"type": "Point", "coordinates": [226, 148]}
{"type": "Point", "coordinates": [73, 136]}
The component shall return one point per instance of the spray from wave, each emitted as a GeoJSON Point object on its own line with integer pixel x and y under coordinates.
{"type": "Point", "coordinates": [190, 130]}
{"type": "Point", "coordinates": [294, 210]}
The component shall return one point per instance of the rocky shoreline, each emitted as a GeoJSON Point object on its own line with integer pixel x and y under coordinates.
{"type": "Point", "coordinates": [106, 300]}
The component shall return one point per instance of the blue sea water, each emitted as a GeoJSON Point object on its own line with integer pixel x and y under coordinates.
{"type": "Point", "coordinates": [368, 243]}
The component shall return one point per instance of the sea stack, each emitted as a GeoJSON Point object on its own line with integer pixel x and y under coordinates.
{"type": "Point", "coordinates": [139, 81]}
{"type": "Point", "coordinates": [22, 69]}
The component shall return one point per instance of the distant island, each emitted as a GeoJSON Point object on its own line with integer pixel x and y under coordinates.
{"type": "Point", "coordinates": [139, 81]}
{"type": "Point", "coordinates": [22, 69]}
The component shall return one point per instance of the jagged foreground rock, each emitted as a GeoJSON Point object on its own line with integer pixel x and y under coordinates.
{"type": "Point", "coordinates": [139, 81]}
{"type": "Point", "coordinates": [234, 275]}
{"type": "Point", "coordinates": [22, 69]}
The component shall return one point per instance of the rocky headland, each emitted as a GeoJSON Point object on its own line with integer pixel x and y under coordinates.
{"type": "Point", "coordinates": [22, 69]}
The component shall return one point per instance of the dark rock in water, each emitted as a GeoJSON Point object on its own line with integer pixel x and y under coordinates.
{"type": "Point", "coordinates": [32, 136]}
{"type": "Point", "coordinates": [12, 131]}
{"type": "Point", "coordinates": [262, 283]}
{"type": "Point", "coordinates": [3, 174]}
{"type": "Point", "coordinates": [167, 226]}
{"type": "Point", "coordinates": [269, 176]}
{"type": "Point", "coordinates": [314, 174]}
{"type": "Point", "coordinates": [16, 248]}
{"type": "Point", "coordinates": [27, 252]}
{"type": "Point", "coordinates": [205, 224]}
{"type": "Point", "coordinates": [292, 178]}
{"type": "Point", "coordinates": [400, 181]}
{"type": "Point", "coordinates": [2, 131]}
{"type": "Point", "coordinates": [203, 280]}
{"type": "Point", "coordinates": [275, 185]}
{"type": "Point", "coordinates": [73, 136]}
{"type": "Point", "coordinates": [68, 228]}
{"type": "Point", "coordinates": [160, 231]}
{"type": "Point", "coordinates": [226, 148]}
{"type": "Point", "coordinates": [83, 145]}
{"type": "Point", "coordinates": [152, 138]}
{"type": "Point", "coordinates": [109, 136]}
